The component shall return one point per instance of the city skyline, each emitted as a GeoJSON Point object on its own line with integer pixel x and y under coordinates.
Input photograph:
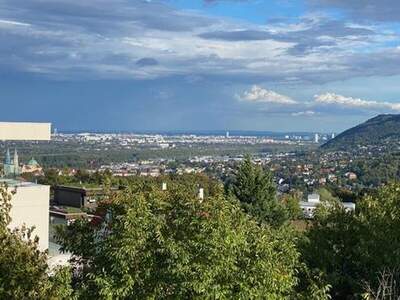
{"type": "Point", "coordinates": [315, 66]}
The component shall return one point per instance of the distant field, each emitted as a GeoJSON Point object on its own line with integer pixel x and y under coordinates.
{"type": "Point", "coordinates": [51, 154]}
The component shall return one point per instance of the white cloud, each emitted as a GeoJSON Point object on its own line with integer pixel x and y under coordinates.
{"type": "Point", "coordinates": [12, 23]}
{"type": "Point", "coordinates": [307, 113]}
{"type": "Point", "coordinates": [350, 102]}
{"type": "Point", "coordinates": [107, 41]}
{"type": "Point", "coordinates": [326, 103]}
{"type": "Point", "coordinates": [259, 95]}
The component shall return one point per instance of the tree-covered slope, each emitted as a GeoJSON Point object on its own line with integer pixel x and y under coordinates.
{"type": "Point", "coordinates": [378, 130]}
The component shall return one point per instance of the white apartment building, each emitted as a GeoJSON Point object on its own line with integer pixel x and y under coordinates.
{"type": "Point", "coordinates": [30, 207]}
{"type": "Point", "coordinates": [30, 202]}
{"type": "Point", "coordinates": [313, 200]}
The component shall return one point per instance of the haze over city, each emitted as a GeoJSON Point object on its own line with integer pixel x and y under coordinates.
{"type": "Point", "coordinates": [199, 65]}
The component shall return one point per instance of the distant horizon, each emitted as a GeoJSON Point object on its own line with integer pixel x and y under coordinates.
{"type": "Point", "coordinates": [182, 131]}
{"type": "Point", "coordinates": [197, 132]}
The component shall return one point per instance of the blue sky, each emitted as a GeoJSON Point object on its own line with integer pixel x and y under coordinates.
{"type": "Point", "coordinates": [276, 65]}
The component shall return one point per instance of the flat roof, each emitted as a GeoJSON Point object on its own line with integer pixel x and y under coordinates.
{"type": "Point", "coordinates": [313, 195]}
{"type": "Point", "coordinates": [79, 188]}
{"type": "Point", "coordinates": [309, 204]}
{"type": "Point", "coordinates": [83, 189]}
{"type": "Point", "coordinates": [25, 131]}
{"type": "Point", "coordinates": [17, 183]}
{"type": "Point", "coordinates": [315, 204]}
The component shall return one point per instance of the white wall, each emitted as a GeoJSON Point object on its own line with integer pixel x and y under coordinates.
{"type": "Point", "coordinates": [30, 206]}
{"type": "Point", "coordinates": [25, 131]}
{"type": "Point", "coordinates": [313, 198]}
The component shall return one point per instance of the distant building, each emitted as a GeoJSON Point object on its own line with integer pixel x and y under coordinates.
{"type": "Point", "coordinates": [316, 138]}
{"type": "Point", "coordinates": [227, 135]}
{"type": "Point", "coordinates": [78, 196]}
{"type": "Point", "coordinates": [150, 171]}
{"type": "Point", "coordinates": [313, 200]}
{"type": "Point", "coordinates": [308, 209]}
{"type": "Point", "coordinates": [75, 196]}
{"type": "Point", "coordinates": [11, 166]}
{"type": "Point", "coordinates": [32, 167]}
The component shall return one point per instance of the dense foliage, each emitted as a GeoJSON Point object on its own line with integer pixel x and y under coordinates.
{"type": "Point", "coordinates": [236, 243]}
{"type": "Point", "coordinates": [256, 191]}
{"type": "Point", "coordinates": [169, 244]}
{"type": "Point", "coordinates": [353, 249]}
{"type": "Point", "coordinates": [378, 170]}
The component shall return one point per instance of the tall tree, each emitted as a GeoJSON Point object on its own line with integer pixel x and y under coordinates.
{"type": "Point", "coordinates": [256, 191]}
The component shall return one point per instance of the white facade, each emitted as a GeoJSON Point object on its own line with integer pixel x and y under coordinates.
{"type": "Point", "coordinates": [30, 202]}
{"type": "Point", "coordinates": [25, 131]}
{"type": "Point", "coordinates": [201, 193]}
{"type": "Point", "coordinates": [349, 206]}
{"type": "Point", "coordinates": [313, 198]}
{"type": "Point", "coordinates": [30, 206]}
{"type": "Point", "coordinates": [308, 209]}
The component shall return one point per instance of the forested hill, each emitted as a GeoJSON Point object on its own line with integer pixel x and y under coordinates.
{"type": "Point", "coordinates": [376, 131]}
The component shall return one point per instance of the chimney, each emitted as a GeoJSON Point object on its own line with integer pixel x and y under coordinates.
{"type": "Point", "coordinates": [201, 194]}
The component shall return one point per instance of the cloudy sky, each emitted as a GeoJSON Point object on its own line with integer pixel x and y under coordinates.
{"type": "Point", "coordinates": [277, 65]}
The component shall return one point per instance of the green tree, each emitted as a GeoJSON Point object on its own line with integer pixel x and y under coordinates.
{"type": "Point", "coordinates": [326, 195]}
{"type": "Point", "coordinates": [256, 191]}
{"type": "Point", "coordinates": [353, 249]}
{"type": "Point", "coordinates": [24, 272]}
{"type": "Point", "coordinates": [292, 206]}
{"type": "Point", "coordinates": [51, 177]}
{"type": "Point", "coordinates": [153, 244]}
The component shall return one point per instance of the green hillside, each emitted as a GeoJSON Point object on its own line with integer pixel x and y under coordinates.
{"type": "Point", "coordinates": [376, 131]}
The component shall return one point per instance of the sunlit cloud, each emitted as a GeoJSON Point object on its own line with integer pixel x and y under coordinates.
{"type": "Point", "coordinates": [318, 105]}
{"type": "Point", "coordinates": [350, 102]}
{"type": "Point", "coordinates": [258, 94]}
{"type": "Point", "coordinates": [12, 23]}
